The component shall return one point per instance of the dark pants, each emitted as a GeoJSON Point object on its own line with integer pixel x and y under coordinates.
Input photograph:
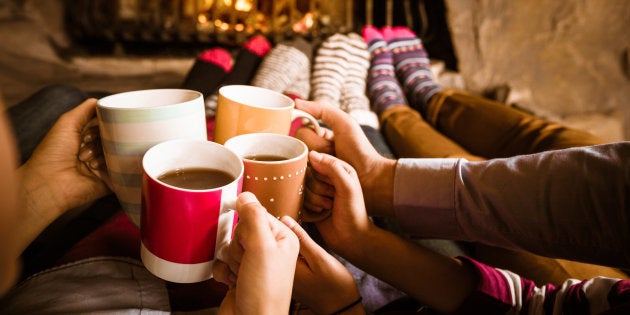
{"type": "Point", "coordinates": [31, 120]}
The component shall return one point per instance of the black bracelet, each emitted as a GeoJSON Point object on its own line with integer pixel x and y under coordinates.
{"type": "Point", "coordinates": [349, 306]}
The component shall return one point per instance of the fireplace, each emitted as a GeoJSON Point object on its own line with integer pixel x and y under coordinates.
{"type": "Point", "coordinates": [146, 25]}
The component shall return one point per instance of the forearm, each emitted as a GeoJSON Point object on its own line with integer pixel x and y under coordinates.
{"type": "Point", "coordinates": [378, 187]}
{"type": "Point", "coordinates": [441, 282]}
{"type": "Point", "coordinates": [538, 202]}
{"type": "Point", "coordinates": [40, 206]}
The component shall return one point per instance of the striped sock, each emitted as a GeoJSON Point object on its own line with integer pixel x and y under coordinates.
{"type": "Point", "coordinates": [282, 66]}
{"type": "Point", "coordinates": [353, 97]}
{"type": "Point", "coordinates": [329, 70]}
{"type": "Point", "coordinates": [383, 89]}
{"type": "Point", "coordinates": [301, 86]}
{"type": "Point", "coordinates": [412, 66]}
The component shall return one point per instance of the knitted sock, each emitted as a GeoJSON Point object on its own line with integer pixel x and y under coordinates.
{"type": "Point", "coordinates": [412, 66]}
{"type": "Point", "coordinates": [330, 70]}
{"type": "Point", "coordinates": [353, 98]}
{"type": "Point", "coordinates": [208, 71]}
{"type": "Point", "coordinates": [282, 65]}
{"type": "Point", "coordinates": [383, 89]}
{"type": "Point", "coordinates": [301, 86]}
{"type": "Point", "coordinates": [247, 61]}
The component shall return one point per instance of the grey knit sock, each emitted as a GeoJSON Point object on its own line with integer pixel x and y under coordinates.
{"type": "Point", "coordinates": [354, 100]}
{"type": "Point", "coordinates": [283, 65]}
{"type": "Point", "coordinates": [330, 70]}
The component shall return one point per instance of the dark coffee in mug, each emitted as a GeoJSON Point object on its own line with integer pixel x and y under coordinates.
{"type": "Point", "coordinates": [196, 178]}
{"type": "Point", "coordinates": [265, 157]}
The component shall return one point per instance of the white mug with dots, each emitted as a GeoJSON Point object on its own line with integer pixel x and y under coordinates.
{"type": "Point", "coordinates": [275, 167]}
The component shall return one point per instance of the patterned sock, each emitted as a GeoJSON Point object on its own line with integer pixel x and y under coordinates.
{"type": "Point", "coordinates": [208, 71]}
{"type": "Point", "coordinates": [282, 65]}
{"type": "Point", "coordinates": [330, 70]}
{"type": "Point", "coordinates": [354, 101]}
{"type": "Point", "coordinates": [383, 88]}
{"type": "Point", "coordinates": [412, 66]}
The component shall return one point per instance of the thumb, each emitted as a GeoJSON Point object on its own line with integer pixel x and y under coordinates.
{"type": "Point", "coordinates": [84, 112]}
{"type": "Point", "coordinates": [341, 174]}
{"type": "Point", "coordinates": [309, 249]}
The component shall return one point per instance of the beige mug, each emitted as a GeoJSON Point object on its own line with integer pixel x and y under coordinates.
{"type": "Point", "coordinates": [132, 122]}
{"type": "Point", "coordinates": [275, 167]}
{"type": "Point", "coordinates": [243, 109]}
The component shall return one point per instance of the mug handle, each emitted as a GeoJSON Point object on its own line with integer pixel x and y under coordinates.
{"type": "Point", "coordinates": [312, 122]}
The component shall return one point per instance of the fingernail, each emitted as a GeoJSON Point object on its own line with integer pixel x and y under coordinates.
{"type": "Point", "coordinates": [314, 155]}
{"type": "Point", "coordinates": [88, 138]}
{"type": "Point", "coordinates": [94, 164]}
{"type": "Point", "coordinates": [85, 155]}
{"type": "Point", "coordinates": [288, 221]}
{"type": "Point", "coordinates": [232, 278]}
{"type": "Point", "coordinates": [247, 197]}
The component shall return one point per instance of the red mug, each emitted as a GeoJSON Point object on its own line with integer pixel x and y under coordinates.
{"type": "Point", "coordinates": [189, 189]}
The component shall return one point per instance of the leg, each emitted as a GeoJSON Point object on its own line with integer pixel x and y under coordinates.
{"type": "Point", "coordinates": [491, 129]}
{"type": "Point", "coordinates": [410, 136]}
{"type": "Point", "coordinates": [33, 117]}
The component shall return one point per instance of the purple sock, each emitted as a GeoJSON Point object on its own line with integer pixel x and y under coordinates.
{"type": "Point", "coordinates": [383, 89]}
{"type": "Point", "coordinates": [412, 66]}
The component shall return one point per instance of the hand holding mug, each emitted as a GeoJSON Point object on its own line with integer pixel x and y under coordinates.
{"type": "Point", "coordinates": [259, 263]}
{"type": "Point", "coordinates": [348, 143]}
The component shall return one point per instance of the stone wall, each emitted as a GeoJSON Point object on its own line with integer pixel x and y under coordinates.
{"type": "Point", "coordinates": [566, 60]}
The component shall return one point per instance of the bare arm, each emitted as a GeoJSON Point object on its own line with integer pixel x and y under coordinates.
{"type": "Point", "coordinates": [54, 180]}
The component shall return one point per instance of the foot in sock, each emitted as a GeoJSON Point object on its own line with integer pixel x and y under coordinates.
{"type": "Point", "coordinates": [248, 59]}
{"type": "Point", "coordinates": [353, 98]}
{"type": "Point", "coordinates": [383, 88]}
{"type": "Point", "coordinates": [330, 68]}
{"type": "Point", "coordinates": [412, 65]}
{"type": "Point", "coordinates": [283, 65]}
{"type": "Point", "coordinates": [208, 71]}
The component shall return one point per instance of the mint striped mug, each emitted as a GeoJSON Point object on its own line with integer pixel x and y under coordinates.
{"type": "Point", "coordinates": [132, 122]}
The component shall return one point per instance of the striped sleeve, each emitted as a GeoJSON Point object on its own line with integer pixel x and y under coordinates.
{"type": "Point", "coordinates": [504, 292]}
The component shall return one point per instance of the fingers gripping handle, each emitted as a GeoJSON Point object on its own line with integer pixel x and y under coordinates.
{"type": "Point", "coordinates": [310, 120]}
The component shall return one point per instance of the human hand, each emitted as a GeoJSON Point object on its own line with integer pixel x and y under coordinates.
{"type": "Point", "coordinates": [335, 186]}
{"type": "Point", "coordinates": [348, 142]}
{"type": "Point", "coordinates": [259, 262]}
{"type": "Point", "coordinates": [91, 151]}
{"type": "Point", "coordinates": [321, 282]}
{"type": "Point", "coordinates": [55, 174]}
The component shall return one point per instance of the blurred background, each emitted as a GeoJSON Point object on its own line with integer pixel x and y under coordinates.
{"type": "Point", "coordinates": [564, 60]}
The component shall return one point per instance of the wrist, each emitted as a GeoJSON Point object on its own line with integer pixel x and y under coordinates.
{"type": "Point", "coordinates": [378, 187]}
{"type": "Point", "coordinates": [354, 307]}
{"type": "Point", "coordinates": [39, 199]}
{"type": "Point", "coordinates": [362, 244]}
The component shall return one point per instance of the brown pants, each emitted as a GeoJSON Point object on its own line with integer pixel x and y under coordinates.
{"type": "Point", "coordinates": [463, 125]}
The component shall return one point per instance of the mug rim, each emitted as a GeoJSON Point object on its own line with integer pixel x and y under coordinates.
{"type": "Point", "coordinates": [294, 140]}
{"type": "Point", "coordinates": [117, 101]}
{"type": "Point", "coordinates": [158, 146]}
{"type": "Point", "coordinates": [242, 98]}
